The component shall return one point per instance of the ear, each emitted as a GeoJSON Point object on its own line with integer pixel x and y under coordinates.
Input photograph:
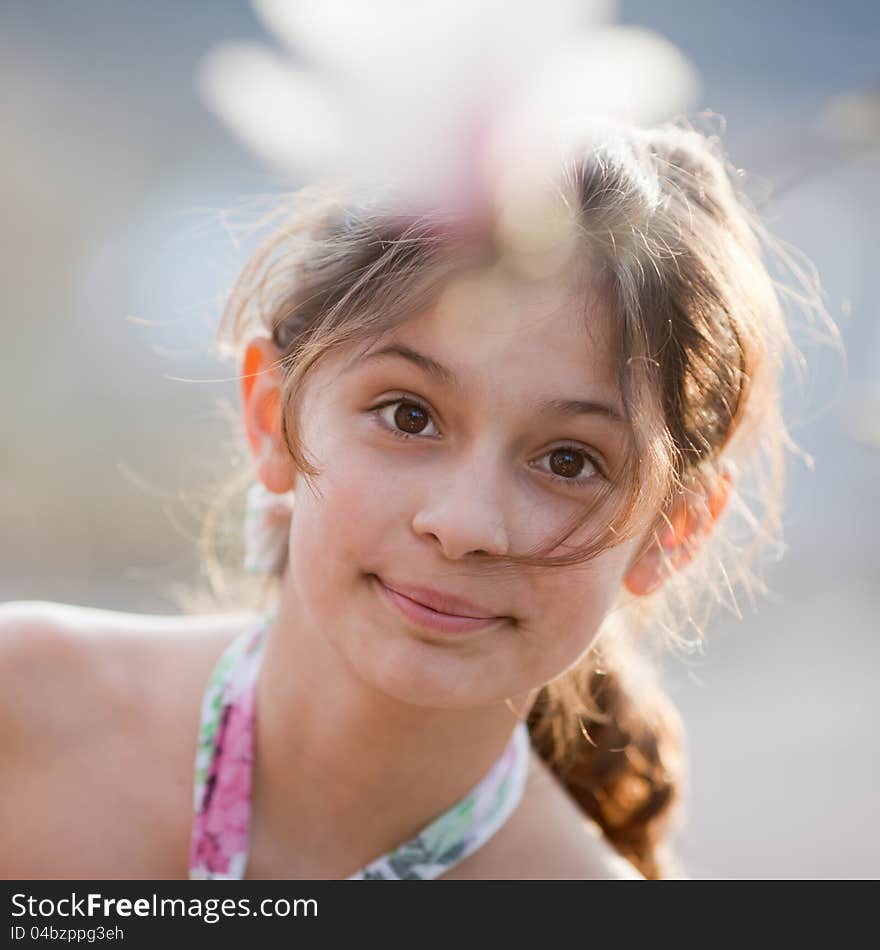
{"type": "Point", "coordinates": [690, 521]}
{"type": "Point", "coordinates": [260, 384]}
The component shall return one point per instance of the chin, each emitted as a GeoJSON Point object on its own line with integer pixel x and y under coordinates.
{"type": "Point", "coordinates": [424, 669]}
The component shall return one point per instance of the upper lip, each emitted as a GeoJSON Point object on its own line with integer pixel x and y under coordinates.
{"type": "Point", "coordinates": [440, 601]}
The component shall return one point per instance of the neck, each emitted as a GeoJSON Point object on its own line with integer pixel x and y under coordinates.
{"type": "Point", "coordinates": [344, 773]}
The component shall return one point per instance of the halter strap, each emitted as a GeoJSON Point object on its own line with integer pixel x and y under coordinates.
{"type": "Point", "coordinates": [223, 775]}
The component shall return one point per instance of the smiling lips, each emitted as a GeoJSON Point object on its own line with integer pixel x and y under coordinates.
{"type": "Point", "coordinates": [435, 610]}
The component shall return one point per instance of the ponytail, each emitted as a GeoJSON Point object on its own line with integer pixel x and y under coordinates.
{"type": "Point", "coordinates": [624, 765]}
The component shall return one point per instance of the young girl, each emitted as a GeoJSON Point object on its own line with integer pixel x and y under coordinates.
{"type": "Point", "coordinates": [485, 465]}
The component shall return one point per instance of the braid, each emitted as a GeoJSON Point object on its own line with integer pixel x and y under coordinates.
{"type": "Point", "coordinates": [623, 768]}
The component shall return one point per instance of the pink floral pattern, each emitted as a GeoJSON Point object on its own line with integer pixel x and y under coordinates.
{"type": "Point", "coordinates": [223, 784]}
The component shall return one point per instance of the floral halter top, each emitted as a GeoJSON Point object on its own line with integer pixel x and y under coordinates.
{"type": "Point", "coordinates": [224, 759]}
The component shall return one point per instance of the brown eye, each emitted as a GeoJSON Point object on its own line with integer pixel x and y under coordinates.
{"type": "Point", "coordinates": [407, 419]}
{"type": "Point", "coordinates": [410, 418]}
{"type": "Point", "coordinates": [571, 467]}
{"type": "Point", "coordinates": [567, 463]}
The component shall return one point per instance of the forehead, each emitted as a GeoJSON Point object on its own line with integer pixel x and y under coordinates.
{"type": "Point", "coordinates": [519, 334]}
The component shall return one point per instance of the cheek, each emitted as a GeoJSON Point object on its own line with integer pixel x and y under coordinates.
{"type": "Point", "coordinates": [344, 524]}
{"type": "Point", "coordinates": [572, 607]}
{"type": "Point", "coordinates": [333, 529]}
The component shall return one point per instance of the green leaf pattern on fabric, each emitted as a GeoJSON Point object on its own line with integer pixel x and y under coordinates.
{"type": "Point", "coordinates": [212, 706]}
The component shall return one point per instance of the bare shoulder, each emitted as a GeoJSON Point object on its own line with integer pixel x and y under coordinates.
{"type": "Point", "coordinates": [94, 705]}
{"type": "Point", "coordinates": [67, 668]}
{"type": "Point", "coordinates": [548, 837]}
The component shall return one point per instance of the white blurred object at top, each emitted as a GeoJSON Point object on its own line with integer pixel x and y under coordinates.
{"type": "Point", "coordinates": [428, 94]}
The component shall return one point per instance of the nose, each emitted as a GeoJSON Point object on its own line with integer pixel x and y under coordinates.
{"type": "Point", "coordinates": [463, 511]}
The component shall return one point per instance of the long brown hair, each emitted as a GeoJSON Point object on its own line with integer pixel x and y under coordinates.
{"type": "Point", "coordinates": [700, 339]}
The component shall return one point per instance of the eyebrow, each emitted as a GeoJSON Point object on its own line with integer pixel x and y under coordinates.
{"type": "Point", "coordinates": [562, 407]}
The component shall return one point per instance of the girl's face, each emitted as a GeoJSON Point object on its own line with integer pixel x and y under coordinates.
{"type": "Point", "coordinates": [482, 426]}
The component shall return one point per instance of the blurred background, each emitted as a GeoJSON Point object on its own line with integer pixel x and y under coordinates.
{"type": "Point", "coordinates": [115, 259]}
